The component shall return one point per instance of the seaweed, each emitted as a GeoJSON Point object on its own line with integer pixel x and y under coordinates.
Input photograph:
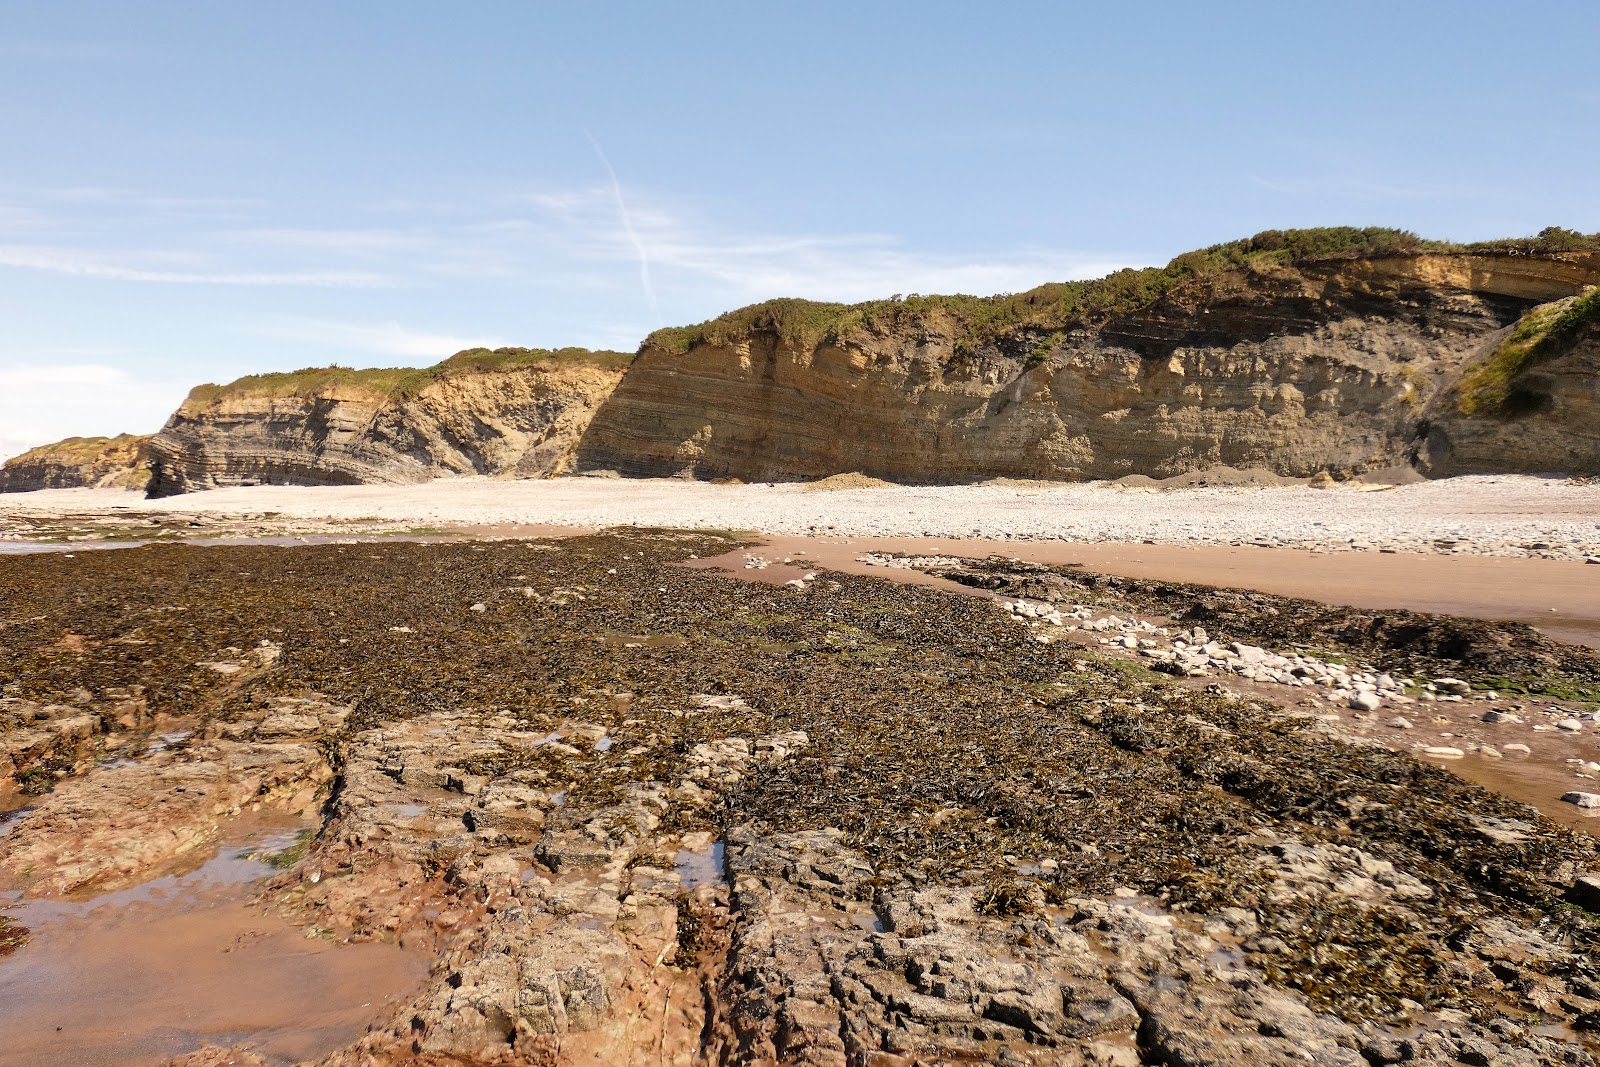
{"type": "Point", "coordinates": [945, 743]}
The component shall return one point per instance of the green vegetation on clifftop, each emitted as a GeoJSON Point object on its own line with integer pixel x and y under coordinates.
{"type": "Point", "coordinates": [402, 382]}
{"type": "Point", "coordinates": [1058, 306]}
{"type": "Point", "coordinates": [77, 449]}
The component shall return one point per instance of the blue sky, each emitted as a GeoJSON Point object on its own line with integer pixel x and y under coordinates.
{"type": "Point", "coordinates": [195, 191]}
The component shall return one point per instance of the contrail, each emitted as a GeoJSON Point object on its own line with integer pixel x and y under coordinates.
{"type": "Point", "coordinates": [627, 226]}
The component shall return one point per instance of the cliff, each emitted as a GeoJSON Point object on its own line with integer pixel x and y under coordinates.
{"type": "Point", "coordinates": [121, 462]}
{"type": "Point", "coordinates": [1298, 352]}
{"type": "Point", "coordinates": [512, 411]}
{"type": "Point", "coordinates": [1340, 350]}
{"type": "Point", "coordinates": [1532, 405]}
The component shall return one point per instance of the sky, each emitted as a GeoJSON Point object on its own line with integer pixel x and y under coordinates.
{"type": "Point", "coordinates": [194, 191]}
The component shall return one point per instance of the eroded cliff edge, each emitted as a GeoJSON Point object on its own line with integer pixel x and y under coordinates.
{"type": "Point", "coordinates": [511, 411]}
{"type": "Point", "coordinates": [121, 462]}
{"type": "Point", "coordinates": [1296, 352]}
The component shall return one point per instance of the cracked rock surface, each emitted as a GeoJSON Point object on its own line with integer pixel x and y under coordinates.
{"type": "Point", "coordinates": [639, 813]}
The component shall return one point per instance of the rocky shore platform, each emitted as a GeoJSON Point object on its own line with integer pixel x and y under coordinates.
{"type": "Point", "coordinates": [635, 811]}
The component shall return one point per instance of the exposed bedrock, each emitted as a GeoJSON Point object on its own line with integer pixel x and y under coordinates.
{"type": "Point", "coordinates": [517, 415]}
{"type": "Point", "coordinates": [1337, 365]}
{"type": "Point", "coordinates": [121, 462]}
{"type": "Point", "coordinates": [1533, 405]}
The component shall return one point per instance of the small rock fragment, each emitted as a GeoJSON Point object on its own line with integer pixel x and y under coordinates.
{"type": "Point", "coordinates": [1369, 702]}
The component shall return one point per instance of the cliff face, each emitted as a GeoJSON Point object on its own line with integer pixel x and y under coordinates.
{"type": "Point", "coordinates": [512, 412]}
{"type": "Point", "coordinates": [121, 462]}
{"type": "Point", "coordinates": [1331, 365]}
{"type": "Point", "coordinates": [1531, 406]}
{"type": "Point", "coordinates": [1293, 351]}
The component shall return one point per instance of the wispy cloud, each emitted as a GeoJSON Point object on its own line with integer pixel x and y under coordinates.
{"type": "Point", "coordinates": [333, 240]}
{"type": "Point", "coordinates": [628, 228]}
{"type": "Point", "coordinates": [104, 266]}
{"type": "Point", "coordinates": [688, 251]}
{"type": "Point", "coordinates": [384, 339]}
{"type": "Point", "coordinates": [92, 374]}
{"type": "Point", "coordinates": [591, 240]}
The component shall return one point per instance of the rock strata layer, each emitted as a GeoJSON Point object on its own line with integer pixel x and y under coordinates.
{"type": "Point", "coordinates": [121, 462]}
{"type": "Point", "coordinates": [511, 412]}
{"type": "Point", "coordinates": [1341, 365]}
{"type": "Point", "coordinates": [1533, 406]}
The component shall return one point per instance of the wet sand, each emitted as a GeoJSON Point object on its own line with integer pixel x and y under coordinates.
{"type": "Point", "coordinates": [1538, 780]}
{"type": "Point", "coordinates": [139, 975]}
{"type": "Point", "coordinates": [1560, 597]}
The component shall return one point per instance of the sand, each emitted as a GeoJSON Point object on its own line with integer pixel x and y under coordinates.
{"type": "Point", "coordinates": [137, 975]}
{"type": "Point", "coordinates": [1501, 515]}
{"type": "Point", "coordinates": [1560, 597]}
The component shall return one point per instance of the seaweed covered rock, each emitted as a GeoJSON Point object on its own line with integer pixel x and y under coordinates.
{"type": "Point", "coordinates": [639, 809]}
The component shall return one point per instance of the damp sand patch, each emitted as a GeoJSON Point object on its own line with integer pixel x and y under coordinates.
{"type": "Point", "coordinates": [142, 974]}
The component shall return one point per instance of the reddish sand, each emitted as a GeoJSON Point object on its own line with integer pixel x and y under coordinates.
{"type": "Point", "coordinates": [1560, 597]}
{"type": "Point", "coordinates": [139, 975]}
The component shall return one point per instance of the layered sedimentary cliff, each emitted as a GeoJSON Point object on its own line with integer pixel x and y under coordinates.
{"type": "Point", "coordinates": [121, 462]}
{"type": "Point", "coordinates": [1532, 405]}
{"type": "Point", "coordinates": [513, 412]}
{"type": "Point", "coordinates": [1297, 352]}
{"type": "Point", "coordinates": [1245, 356]}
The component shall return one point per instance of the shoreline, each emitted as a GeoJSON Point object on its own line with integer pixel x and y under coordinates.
{"type": "Point", "coordinates": [1510, 548]}
{"type": "Point", "coordinates": [1559, 597]}
{"type": "Point", "coordinates": [1513, 516]}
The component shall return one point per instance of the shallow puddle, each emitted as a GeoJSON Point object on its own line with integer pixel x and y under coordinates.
{"type": "Point", "coordinates": [142, 974]}
{"type": "Point", "coordinates": [9, 819]}
{"type": "Point", "coordinates": [1539, 783]}
{"type": "Point", "coordinates": [612, 640]}
{"type": "Point", "coordinates": [700, 866]}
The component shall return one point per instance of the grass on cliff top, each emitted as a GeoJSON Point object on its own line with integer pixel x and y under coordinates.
{"type": "Point", "coordinates": [1058, 306]}
{"type": "Point", "coordinates": [401, 382]}
{"type": "Point", "coordinates": [1547, 331]}
{"type": "Point", "coordinates": [78, 449]}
